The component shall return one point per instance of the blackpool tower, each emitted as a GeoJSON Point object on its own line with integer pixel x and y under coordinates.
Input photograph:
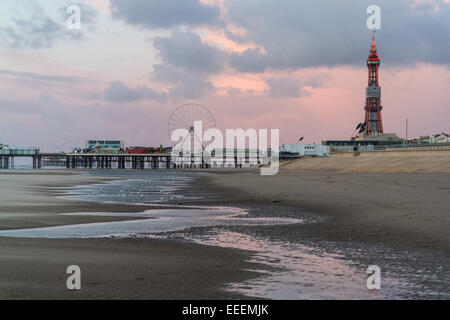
{"type": "Point", "coordinates": [373, 124]}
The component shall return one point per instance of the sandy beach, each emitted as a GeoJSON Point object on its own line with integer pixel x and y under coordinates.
{"type": "Point", "coordinates": [398, 198]}
{"type": "Point", "coordinates": [112, 269]}
{"type": "Point", "coordinates": [404, 211]}
{"type": "Point", "coordinates": [396, 209]}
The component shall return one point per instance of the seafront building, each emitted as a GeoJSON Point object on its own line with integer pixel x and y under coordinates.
{"type": "Point", "coordinates": [436, 138]}
{"type": "Point", "coordinates": [105, 146]}
{"type": "Point", "coordinates": [292, 151]}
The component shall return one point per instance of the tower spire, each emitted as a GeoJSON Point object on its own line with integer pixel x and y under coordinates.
{"type": "Point", "coordinates": [373, 54]}
{"type": "Point", "coordinates": [373, 93]}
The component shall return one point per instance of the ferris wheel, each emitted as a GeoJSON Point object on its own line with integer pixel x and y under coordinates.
{"type": "Point", "coordinates": [185, 116]}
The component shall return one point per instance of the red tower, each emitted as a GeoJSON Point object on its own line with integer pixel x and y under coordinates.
{"type": "Point", "coordinates": [373, 124]}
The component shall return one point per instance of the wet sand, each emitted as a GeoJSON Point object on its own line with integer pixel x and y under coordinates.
{"type": "Point", "coordinates": [28, 199]}
{"type": "Point", "coordinates": [118, 269]}
{"type": "Point", "coordinates": [111, 268]}
{"type": "Point", "coordinates": [396, 209]}
{"type": "Point", "coordinates": [397, 220]}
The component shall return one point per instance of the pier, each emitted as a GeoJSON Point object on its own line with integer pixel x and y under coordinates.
{"type": "Point", "coordinates": [7, 155]}
{"type": "Point", "coordinates": [86, 160]}
{"type": "Point", "coordinates": [93, 160]}
{"type": "Point", "coordinates": [119, 161]}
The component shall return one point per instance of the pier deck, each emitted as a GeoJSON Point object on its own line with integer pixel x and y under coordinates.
{"type": "Point", "coordinates": [90, 160]}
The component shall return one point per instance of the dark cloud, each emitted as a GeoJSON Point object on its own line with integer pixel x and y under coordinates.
{"type": "Point", "coordinates": [165, 13]}
{"type": "Point", "coordinates": [35, 29]}
{"type": "Point", "coordinates": [184, 84]}
{"type": "Point", "coordinates": [187, 64]}
{"type": "Point", "coordinates": [119, 92]}
{"type": "Point", "coordinates": [31, 34]}
{"type": "Point", "coordinates": [186, 50]}
{"type": "Point", "coordinates": [291, 88]}
{"type": "Point", "coordinates": [251, 60]}
{"type": "Point", "coordinates": [235, 37]}
{"type": "Point", "coordinates": [299, 34]}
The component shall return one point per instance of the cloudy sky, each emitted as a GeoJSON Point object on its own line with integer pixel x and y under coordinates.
{"type": "Point", "coordinates": [295, 65]}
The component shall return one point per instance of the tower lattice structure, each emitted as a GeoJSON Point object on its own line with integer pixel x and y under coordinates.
{"type": "Point", "coordinates": [373, 122]}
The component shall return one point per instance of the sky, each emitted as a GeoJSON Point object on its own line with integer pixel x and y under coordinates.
{"type": "Point", "coordinates": [298, 66]}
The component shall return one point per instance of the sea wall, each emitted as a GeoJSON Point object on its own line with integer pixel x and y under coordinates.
{"type": "Point", "coordinates": [418, 161]}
